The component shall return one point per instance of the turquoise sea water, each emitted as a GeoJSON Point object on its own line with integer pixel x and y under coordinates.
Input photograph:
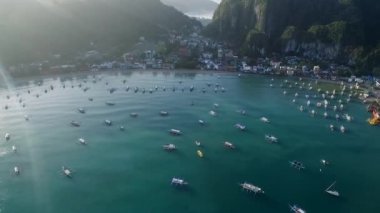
{"type": "Point", "coordinates": [128, 171]}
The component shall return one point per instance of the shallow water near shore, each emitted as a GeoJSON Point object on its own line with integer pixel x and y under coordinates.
{"type": "Point", "coordinates": [128, 171]}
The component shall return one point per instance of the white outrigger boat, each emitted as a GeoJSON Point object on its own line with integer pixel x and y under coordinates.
{"type": "Point", "coordinates": [169, 147]}
{"type": "Point", "coordinates": [164, 113]}
{"type": "Point", "coordinates": [108, 122]}
{"type": "Point", "coordinates": [240, 127]}
{"type": "Point", "coordinates": [16, 170]}
{"type": "Point", "coordinates": [14, 149]}
{"type": "Point", "coordinates": [332, 192]}
{"type": "Point", "coordinates": [201, 122]}
{"type": "Point", "coordinates": [82, 141]}
{"type": "Point", "coordinates": [75, 124]}
{"type": "Point", "coordinates": [175, 132]}
{"type": "Point", "coordinates": [342, 129]}
{"type": "Point", "coordinates": [178, 182]}
{"type": "Point", "coordinates": [348, 117]}
{"type": "Point", "coordinates": [7, 136]}
{"type": "Point", "coordinates": [212, 113]}
{"type": "Point", "coordinates": [133, 114]}
{"type": "Point", "coordinates": [271, 138]}
{"type": "Point", "coordinates": [296, 209]}
{"type": "Point", "coordinates": [229, 145]}
{"type": "Point", "coordinates": [301, 108]}
{"type": "Point", "coordinates": [110, 103]}
{"type": "Point", "coordinates": [81, 110]}
{"type": "Point", "coordinates": [67, 172]}
{"type": "Point", "coordinates": [251, 188]}
{"type": "Point", "coordinates": [264, 119]}
{"type": "Point", "coordinates": [325, 162]}
{"type": "Point", "coordinates": [198, 143]}
{"type": "Point", "coordinates": [332, 128]}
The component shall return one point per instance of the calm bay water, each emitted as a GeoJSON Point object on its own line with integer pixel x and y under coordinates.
{"type": "Point", "coordinates": [127, 171]}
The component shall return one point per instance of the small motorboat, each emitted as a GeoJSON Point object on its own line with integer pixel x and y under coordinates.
{"type": "Point", "coordinates": [332, 128]}
{"type": "Point", "coordinates": [7, 136]}
{"type": "Point", "coordinates": [201, 122]}
{"type": "Point", "coordinates": [348, 117]}
{"type": "Point", "coordinates": [240, 127]}
{"type": "Point", "coordinates": [67, 172]}
{"type": "Point", "coordinates": [242, 112]}
{"type": "Point", "coordinates": [342, 129]}
{"type": "Point", "coordinates": [251, 188]}
{"type": "Point", "coordinates": [75, 124]}
{"type": "Point", "coordinates": [325, 162]}
{"type": "Point", "coordinates": [134, 115]}
{"type": "Point", "coordinates": [175, 132]}
{"type": "Point", "coordinates": [26, 117]}
{"type": "Point", "coordinates": [301, 108]}
{"type": "Point", "coordinates": [212, 113]}
{"type": "Point", "coordinates": [14, 149]}
{"type": "Point", "coordinates": [81, 110]}
{"type": "Point", "coordinates": [178, 182]}
{"type": "Point", "coordinates": [271, 139]}
{"type": "Point", "coordinates": [110, 103]}
{"type": "Point", "coordinates": [82, 141]}
{"type": "Point", "coordinates": [216, 105]}
{"type": "Point", "coordinates": [122, 128]}
{"type": "Point", "coordinates": [296, 209]}
{"type": "Point", "coordinates": [108, 122]}
{"type": "Point", "coordinates": [197, 143]}
{"type": "Point", "coordinates": [90, 99]}
{"type": "Point", "coordinates": [16, 170]}
{"type": "Point", "coordinates": [297, 165]}
{"type": "Point", "coordinates": [229, 145]}
{"type": "Point", "coordinates": [200, 153]}
{"type": "Point", "coordinates": [169, 147]}
{"type": "Point", "coordinates": [164, 113]}
{"type": "Point", "coordinates": [325, 115]}
{"type": "Point", "coordinates": [264, 119]}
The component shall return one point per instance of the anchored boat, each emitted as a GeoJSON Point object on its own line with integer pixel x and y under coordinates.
{"type": "Point", "coordinates": [200, 153]}
{"type": "Point", "coordinates": [251, 188]}
{"type": "Point", "coordinates": [179, 182]}
{"type": "Point", "coordinates": [296, 209]}
{"type": "Point", "coordinates": [169, 147]}
{"type": "Point", "coordinates": [240, 127]}
{"type": "Point", "coordinates": [297, 165]}
{"type": "Point", "coordinates": [271, 138]}
{"type": "Point", "coordinates": [175, 132]}
{"type": "Point", "coordinates": [66, 171]}
{"type": "Point", "coordinates": [229, 145]}
{"type": "Point", "coordinates": [331, 191]}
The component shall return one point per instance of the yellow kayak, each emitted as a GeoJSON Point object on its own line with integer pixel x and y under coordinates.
{"type": "Point", "coordinates": [200, 154]}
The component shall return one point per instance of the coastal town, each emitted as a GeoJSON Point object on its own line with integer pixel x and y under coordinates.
{"type": "Point", "coordinates": [196, 52]}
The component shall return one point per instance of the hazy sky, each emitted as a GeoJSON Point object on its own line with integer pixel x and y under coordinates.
{"type": "Point", "coordinates": [217, 1]}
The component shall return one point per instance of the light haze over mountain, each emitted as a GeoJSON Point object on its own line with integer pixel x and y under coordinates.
{"type": "Point", "coordinates": [194, 8]}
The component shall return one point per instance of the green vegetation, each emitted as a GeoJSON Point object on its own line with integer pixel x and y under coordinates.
{"type": "Point", "coordinates": [350, 25]}
{"type": "Point", "coordinates": [32, 31]}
